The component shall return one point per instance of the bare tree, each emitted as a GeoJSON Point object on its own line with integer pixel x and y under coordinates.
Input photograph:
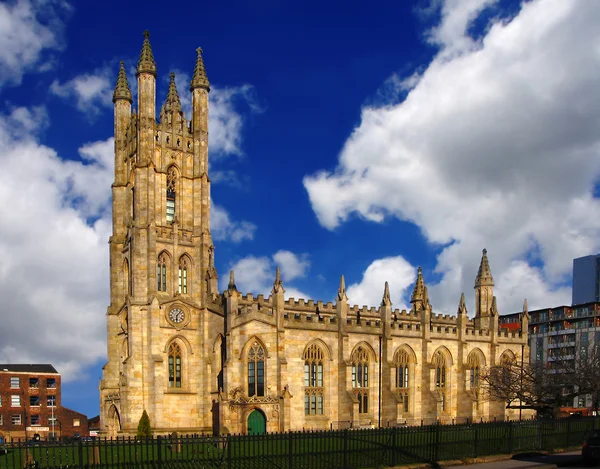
{"type": "Point", "coordinates": [522, 385]}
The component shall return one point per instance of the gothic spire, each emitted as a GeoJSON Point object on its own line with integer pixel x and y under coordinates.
{"type": "Point", "coordinates": [199, 80]}
{"type": "Point", "coordinates": [122, 90]}
{"type": "Point", "coordinates": [172, 103]}
{"type": "Point", "coordinates": [386, 301]}
{"type": "Point", "coordinates": [278, 284]}
{"type": "Point", "coordinates": [417, 294]}
{"type": "Point", "coordinates": [342, 290]}
{"type": "Point", "coordinates": [146, 63]}
{"type": "Point", "coordinates": [484, 276]}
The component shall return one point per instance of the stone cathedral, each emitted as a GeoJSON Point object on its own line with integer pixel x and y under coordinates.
{"type": "Point", "coordinates": [200, 360]}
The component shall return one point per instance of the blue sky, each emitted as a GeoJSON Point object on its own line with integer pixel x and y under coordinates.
{"type": "Point", "coordinates": [344, 139]}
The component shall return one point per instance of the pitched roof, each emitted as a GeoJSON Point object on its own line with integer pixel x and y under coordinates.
{"type": "Point", "coordinates": [28, 368]}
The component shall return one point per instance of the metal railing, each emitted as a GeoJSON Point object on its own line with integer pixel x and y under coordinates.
{"type": "Point", "coordinates": [346, 448]}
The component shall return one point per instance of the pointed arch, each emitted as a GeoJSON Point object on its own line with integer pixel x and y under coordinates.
{"type": "Point", "coordinates": [476, 356]}
{"type": "Point", "coordinates": [184, 273]}
{"type": "Point", "coordinates": [249, 343]}
{"type": "Point", "coordinates": [408, 350]}
{"type": "Point", "coordinates": [367, 347]}
{"type": "Point", "coordinates": [439, 363]}
{"type": "Point", "coordinates": [171, 192]}
{"type": "Point", "coordinates": [320, 343]}
{"type": "Point", "coordinates": [163, 269]}
{"type": "Point", "coordinates": [113, 420]}
{"type": "Point", "coordinates": [507, 356]}
{"type": "Point", "coordinates": [361, 357]}
{"type": "Point", "coordinates": [446, 354]}
{"type": "Point", "coordinates": [475, 363]}
{"type": "Point", "coordinates": [182, 339]}
{"type": "Point", "coordinates": [314, 371]}
{"type": "Point", "coordinates": [255, 354]}
{"type": "Point", "coordinates": [405, 360]}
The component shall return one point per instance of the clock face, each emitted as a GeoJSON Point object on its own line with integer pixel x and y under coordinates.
{"type": "Point", "coordinates": [177, 315]}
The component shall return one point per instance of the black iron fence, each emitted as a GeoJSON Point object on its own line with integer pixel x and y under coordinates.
{"type": "Point", "coordinates": [347, 448]}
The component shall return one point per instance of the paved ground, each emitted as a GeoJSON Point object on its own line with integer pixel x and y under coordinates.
{"type": "Point", "coordinates": [570, 459]}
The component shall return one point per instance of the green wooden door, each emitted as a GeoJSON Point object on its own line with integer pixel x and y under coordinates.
{"type": "Point", "coordinates": [257, 423]}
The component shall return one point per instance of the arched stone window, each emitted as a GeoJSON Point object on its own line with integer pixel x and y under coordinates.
{"type": "Point", "coordinates": [313, 380]}
{"type": "Point", "coordinates": [171, 193]}
{"type": "Point", "coordinates": [256, 370]}
{"type": "Point", "coordinates": [161, 272]}
{"type": "Point", "coordinates": [439, 364]}
{"type": "Point", "coordinates": [175, 365]}
{"type": "Point", "coordinates": [360, 378]}
{"type": "Point", "coordinates": [440, 377]}
{"type": "Point", "coordinates": [183, 275]}
{"type": "Point", "coordinates": [404, 379]}
{"type": "Point", "coordinates": [475, 361]}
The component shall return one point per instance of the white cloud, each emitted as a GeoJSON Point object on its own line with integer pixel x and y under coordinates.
{"type": "Point", "coordinates": [257, 274]}
{"type": "Point", "coordinates": [225, 122]}
{"type": "Point", "coordinates": [495, 146]}
{"type": "Point", "coordinates": [292, 265]}
{"type": "Point", "coordinates": [91, 92]}
{"type": "Point", "coordinates": [28, 29]}
{"type": "Point", "coordinates": [224, 228]}
{"type": "Point", "coordinates": [369, 291]}
{"type": "Point", "coordinates": [55, 262]}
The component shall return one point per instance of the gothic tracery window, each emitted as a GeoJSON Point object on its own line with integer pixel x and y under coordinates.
{"type": "Point", "coordinates": [313, 380]}
{"type": "Point", "coordinates": [171, 191]}
{"type": "Point", "coordinates": [161, 273]}
{"type": "Point", "coordinates": [256, 370]}
{"type": "Point", "coordinates": [183, 275]}
{"type": "Point", "coordinates": [174, 365]}
{"type": "Point", "coordinates": [474, 368]}
{"type": "Point", "coordinates": [439, 364]}
{"type": "Point", "coordinates": [403, 378]}
{"type": "Point", "coordinates": [360, 378]}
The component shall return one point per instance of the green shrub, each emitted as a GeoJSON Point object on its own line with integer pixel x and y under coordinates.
{"type": "Point", "coordinates": [144, 430]}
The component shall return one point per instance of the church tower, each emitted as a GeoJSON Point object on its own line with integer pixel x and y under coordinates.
{"type": "Point", "coordinates": [165, 314]}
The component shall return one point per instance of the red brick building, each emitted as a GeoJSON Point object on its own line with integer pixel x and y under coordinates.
{"type": "Point", "coordinates": [30, 404]}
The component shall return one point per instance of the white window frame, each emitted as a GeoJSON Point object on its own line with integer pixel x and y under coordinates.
{"type": "Point", "coordinates": [15, 382]}
{"type": "Point", "coordinates": [15, 400]}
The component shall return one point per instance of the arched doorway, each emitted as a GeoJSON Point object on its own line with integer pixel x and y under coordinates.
{"type": "Point", "coordinates": [113, 421]}
{"type": "Point", "coordinates": [257, 423]}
